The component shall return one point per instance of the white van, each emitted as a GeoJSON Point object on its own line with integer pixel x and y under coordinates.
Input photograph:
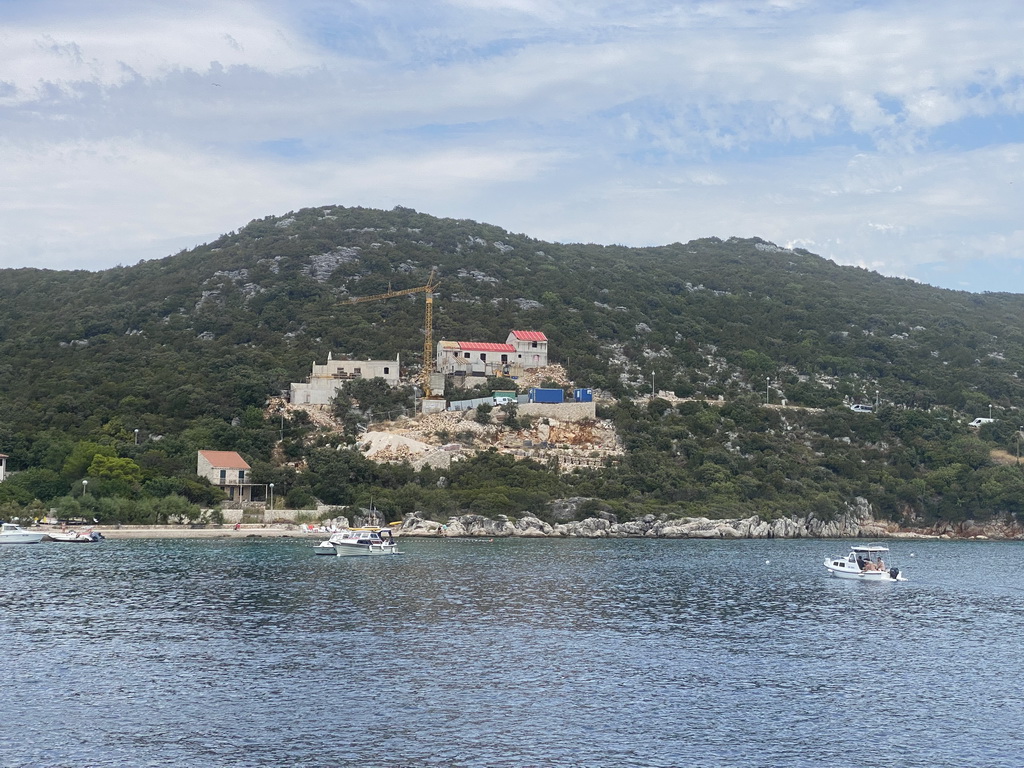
{"type": "Point", "coordinates": [858, 408]}
{"type": "Point", "coordinates": [979, 421]}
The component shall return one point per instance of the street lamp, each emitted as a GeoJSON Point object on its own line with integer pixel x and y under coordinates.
{"type": "Point", "coordinates": [990, 410]}
{"type": "Point", "coordinates": [271, 495]}
{"type": "Point", "coordinates": [136, 436]}
{"type": "Point", "coordinates": [85, 487]}
{"type": "Point", "coordinates": [767, 381]}
{"type": "Point", "coordinates": [1019, 430]}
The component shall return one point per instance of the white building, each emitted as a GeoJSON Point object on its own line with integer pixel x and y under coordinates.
{"type": "Point", "coordinates": [3, 466]}
{"type": "Point", "coordinates": [531, 348]}
{"type": "Point", "coordinates": [325, 380]}
{"type": "Point", "coordinates": [522, 350]}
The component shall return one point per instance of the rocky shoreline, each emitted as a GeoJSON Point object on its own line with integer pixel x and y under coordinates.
{"type": "Point", "coordinates": [857, 522]}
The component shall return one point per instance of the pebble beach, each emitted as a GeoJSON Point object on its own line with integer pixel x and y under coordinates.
{"type": "Point", "coordinates": [207, 532]}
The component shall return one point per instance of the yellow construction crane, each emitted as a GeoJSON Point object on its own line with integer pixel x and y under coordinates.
{"type": "Point", "coordinates": [428, 322]}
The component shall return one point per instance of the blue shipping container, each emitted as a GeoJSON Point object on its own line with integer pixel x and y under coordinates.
{"type": "Point", "coordinates": [539, 395]}
{"type": "Point", "coordinates": [583, 395]}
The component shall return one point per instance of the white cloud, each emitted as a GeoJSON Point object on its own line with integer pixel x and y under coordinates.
{"type": "Point", "coordinates": [129, 126]}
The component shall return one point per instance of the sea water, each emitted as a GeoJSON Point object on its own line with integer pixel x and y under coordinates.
{"type": "Point", "coordinates": [256, 652]}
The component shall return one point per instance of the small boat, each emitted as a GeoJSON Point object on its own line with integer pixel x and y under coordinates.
{"type": "Point", "coordinates": [864, 563]}
{"type": "Point", "coordinates": [359, 541]}
{"type": "Point", "coordinates": [15, 534]}
{"type": "Point", "coordinates": [75, 537]}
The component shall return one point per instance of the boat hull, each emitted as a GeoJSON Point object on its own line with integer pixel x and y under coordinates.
{"type": "Point", "coordinates": [856, 575]}
{"type": "Point", "coordinates": [12, 533]}
{"type": "Point", "coordinates": [72, 537]}
{"type": "Point", "coordinates": [21, 538]}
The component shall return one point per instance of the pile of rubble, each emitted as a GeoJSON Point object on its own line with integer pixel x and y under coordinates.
{"type": "Point", "coordinates": [535, 377]}
{"type": "Point", "coordinates": [389, 447]}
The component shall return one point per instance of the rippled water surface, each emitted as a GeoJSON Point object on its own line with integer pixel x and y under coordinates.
{"type": "Point", "coordinates": [250, 652]}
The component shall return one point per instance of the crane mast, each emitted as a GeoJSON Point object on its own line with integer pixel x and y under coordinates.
{"type": "Point", "coordinates": [428, 322]}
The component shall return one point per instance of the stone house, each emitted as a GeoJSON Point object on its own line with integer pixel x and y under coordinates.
{"type": "Point", "coordinates": [324, 382]}
{"type": "Point", "coordinates": [522, 350]}
{"type": "Point", "coordinates": [228, 471]}
{"type": "Point", "coordinates": [531, 348]}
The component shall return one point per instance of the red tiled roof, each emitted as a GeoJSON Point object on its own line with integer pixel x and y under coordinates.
{"type": "Point", "coordinates": [225, 459]}
{"type": "Point", "coordinates": [529, 335]}
{"type": "Point", "coordinates": [485, 346]}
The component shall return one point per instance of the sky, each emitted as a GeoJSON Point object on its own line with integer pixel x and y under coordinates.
{"type": "Point", "coordinates": [887, 135]}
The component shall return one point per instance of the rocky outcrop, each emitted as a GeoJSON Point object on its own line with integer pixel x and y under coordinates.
{"type": "Point", "coordinates": [856, 521]}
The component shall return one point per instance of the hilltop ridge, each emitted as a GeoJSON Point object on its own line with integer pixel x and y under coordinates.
{"type": "Point", "coordinates": [157, 360]}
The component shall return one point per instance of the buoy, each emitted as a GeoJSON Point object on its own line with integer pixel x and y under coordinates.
{"type": "Point", "coordinates": [767, 562]}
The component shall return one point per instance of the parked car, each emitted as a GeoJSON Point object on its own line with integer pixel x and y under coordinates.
{"type": "Point", "coordinates": [979, 421]}
{"type": "Point", "coordinates": [859, 408]}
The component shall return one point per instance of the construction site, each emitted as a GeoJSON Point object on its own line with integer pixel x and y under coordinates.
{"type": "Point", "coordinates": [559, 435]}
{"type": "Point", "coordinates": [562, 435]}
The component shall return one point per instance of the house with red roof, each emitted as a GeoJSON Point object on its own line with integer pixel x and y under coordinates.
{"type": "Point", "coordinates": [531, 348]}
{"type": "Point", "coordinates": [521, 351]}
{"type": "Point", "coordinates": [228, 471]}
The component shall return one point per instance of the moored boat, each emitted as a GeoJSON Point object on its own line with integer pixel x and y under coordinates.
{"type": "Point", "coordinates": [10, 533]}
{"type": "Point", "coordinates": [359, 541]}
{"type": "Point", "coordinates": [75, 537]}
{"type": "Point", "coordinates": [865, 563]}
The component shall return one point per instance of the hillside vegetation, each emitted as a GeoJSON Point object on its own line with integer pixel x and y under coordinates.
{"type": "Point", "coordinates": [119, 376]}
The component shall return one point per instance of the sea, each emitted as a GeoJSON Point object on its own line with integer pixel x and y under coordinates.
{"type": "Point", "coordinates": [509, 653]}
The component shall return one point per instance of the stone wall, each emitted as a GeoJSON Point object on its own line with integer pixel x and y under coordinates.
{"type": "Point", "coordinates": [560, 411]}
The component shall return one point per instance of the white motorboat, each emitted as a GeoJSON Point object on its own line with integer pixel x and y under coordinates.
{"type": "Point", "coordinates": [865, 563]}
{"type": "Point", "coordinates": [15, 534]}
{"type": "Point", "coordinates": [359, 541]}
{"type": "Point", "coordinates": [75, 537]}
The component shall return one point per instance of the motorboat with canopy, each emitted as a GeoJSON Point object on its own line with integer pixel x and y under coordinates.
{"type": "Point", "coordinates": [864, 562]}
{"type": "Point", "coordinates": [359, 541]}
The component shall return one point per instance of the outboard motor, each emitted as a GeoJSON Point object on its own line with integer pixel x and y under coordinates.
{"type": "Point", "coordinates": [894, 572]}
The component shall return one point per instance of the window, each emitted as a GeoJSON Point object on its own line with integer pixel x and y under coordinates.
{"type": "Point", "coordinates": [504, 358]}
{"type": "Point", "coordinates": [223, 475]}
{"type": "Point", "coordinates": [466, 355]}
{"type": "Point", "coordinates": [483, 357]}
{"type": "Point", "coordinates": [533, 344]}
{"type": "Point", "coordinates": [241, 475]}
{"type": "Point", "coordinates": [387, 371]}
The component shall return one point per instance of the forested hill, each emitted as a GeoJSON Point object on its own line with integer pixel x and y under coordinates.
{"type": "Point", "coordinates": [182, 347]}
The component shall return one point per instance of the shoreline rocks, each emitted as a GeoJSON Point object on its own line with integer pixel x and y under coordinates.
{"type": "Point", "coordinates": [856, 522]}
